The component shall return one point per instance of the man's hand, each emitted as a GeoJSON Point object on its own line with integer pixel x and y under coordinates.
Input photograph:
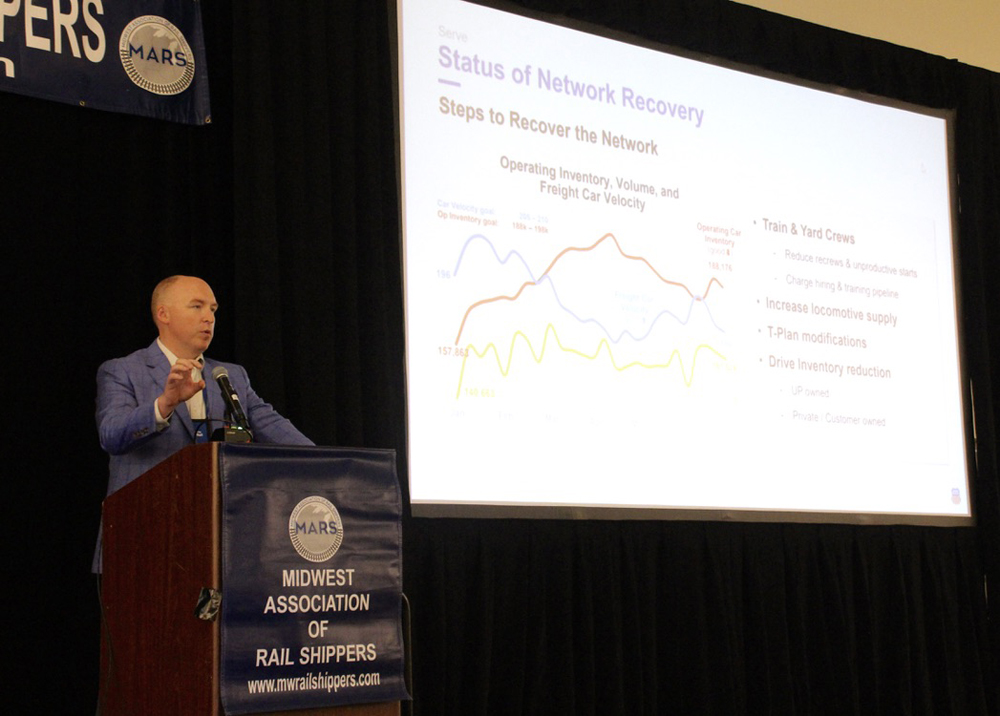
{"type": "Point", "coordinates": [180, 386]}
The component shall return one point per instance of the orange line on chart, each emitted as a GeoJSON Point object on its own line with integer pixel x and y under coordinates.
{"type": "Point", "coordinates": [565, 251]}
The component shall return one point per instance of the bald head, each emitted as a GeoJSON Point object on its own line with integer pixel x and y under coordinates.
{"type": "Point", "coordinates": [184, 312]}
{"type": "Point", "coordinates": [161, 291]}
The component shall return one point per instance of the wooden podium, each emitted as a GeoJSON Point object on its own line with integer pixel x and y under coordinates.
{"type": "Point", "coordinates": [161, 537]}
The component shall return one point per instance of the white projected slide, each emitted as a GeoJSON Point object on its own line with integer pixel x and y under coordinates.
{"type": "Point", "coordinates": [634, 280]}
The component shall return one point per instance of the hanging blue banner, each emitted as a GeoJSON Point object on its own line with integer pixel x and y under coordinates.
{"type": "Point", "coordinates": [143, 57]}
{"type": "Point", "coordinates": [311, 578]}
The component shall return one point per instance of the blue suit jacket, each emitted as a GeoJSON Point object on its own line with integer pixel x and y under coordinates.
{"type": "Point", "coordinates": [126, 421]}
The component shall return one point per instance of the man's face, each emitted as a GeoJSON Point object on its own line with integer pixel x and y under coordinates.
{"type": "Point", "coordinates": [186, 317]}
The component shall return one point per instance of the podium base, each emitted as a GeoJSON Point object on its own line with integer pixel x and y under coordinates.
{"type": "Point", "coordinates": [161, 550]}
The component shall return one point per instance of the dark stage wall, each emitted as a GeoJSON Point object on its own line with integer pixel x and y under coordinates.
{"type": "Point", "coordinates": [287, 205]}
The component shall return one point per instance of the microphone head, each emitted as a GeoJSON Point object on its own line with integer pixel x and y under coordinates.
{"type": "Point", "coordinates": [219, 371]}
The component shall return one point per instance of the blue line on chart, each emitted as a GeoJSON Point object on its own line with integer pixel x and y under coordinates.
{"type": "Point", "coordinates": [453, 83]}
{"type": "Point", "coordinates": [627, 332]}
{"type": "Point", "coordinates": [555, 294]}
{"type": "Point", "coordinates": [501, 260]}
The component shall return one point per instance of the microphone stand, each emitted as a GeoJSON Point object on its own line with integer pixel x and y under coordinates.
{"type": "Point", "coordinates": [231, 433]}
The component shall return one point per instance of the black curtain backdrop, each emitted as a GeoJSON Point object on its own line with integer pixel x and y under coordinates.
{"type": "Point", "coordinates": [287, 204]}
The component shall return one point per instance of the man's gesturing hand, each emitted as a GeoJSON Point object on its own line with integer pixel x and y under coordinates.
{"type": "Point", "coordinates": [180, 386]}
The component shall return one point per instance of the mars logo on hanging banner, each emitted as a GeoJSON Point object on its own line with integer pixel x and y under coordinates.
{"type": "Point", "coordinates": [316, 529]}
{"type": "Point", "coordinates": [64, 50]}
{"type": "Point", "coordinates": [156, 56]}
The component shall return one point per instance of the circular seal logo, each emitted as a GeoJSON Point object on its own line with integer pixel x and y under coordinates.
{"type": "Point", "coordinates": [315, 529]}
{"type": "Point", "coordinates": [156, 56]}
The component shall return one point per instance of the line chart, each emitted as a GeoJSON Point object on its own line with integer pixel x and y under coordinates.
{"type": "Point", "coordinates": [551, 330]}
{"type": "Point", "coordinates": [566, 251]}
{"type": "Point", "coordinates": [547, 281]}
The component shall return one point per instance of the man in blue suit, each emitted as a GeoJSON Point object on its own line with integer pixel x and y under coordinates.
{"type": "Point", "coordinates": [154, 402]}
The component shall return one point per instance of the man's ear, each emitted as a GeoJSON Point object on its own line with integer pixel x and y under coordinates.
{"type": "Point", "coordinates": [162, 314]}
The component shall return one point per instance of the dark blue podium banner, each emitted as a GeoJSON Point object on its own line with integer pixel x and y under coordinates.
{"type": "Point", "coordinates": [312, 578]}
{"type": "Point", "coordinates": [142, 57]}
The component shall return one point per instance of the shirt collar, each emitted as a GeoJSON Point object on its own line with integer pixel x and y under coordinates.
{"type": "Point", "coordinates": [171, 358]}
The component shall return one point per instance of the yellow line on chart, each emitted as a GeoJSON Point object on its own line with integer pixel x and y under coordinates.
{"type": "Point", "coordinates": [603, 344]}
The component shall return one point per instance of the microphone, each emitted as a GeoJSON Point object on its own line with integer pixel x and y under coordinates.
{"type": "Point", "coordinates": [233, 405]}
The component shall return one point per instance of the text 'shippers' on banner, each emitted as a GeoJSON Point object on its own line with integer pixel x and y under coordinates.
{"type": "Point", "coordinates": [144, 57]}
{"type": "Point", "coordinates": [312, 578]}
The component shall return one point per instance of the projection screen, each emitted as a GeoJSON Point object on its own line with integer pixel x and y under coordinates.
{"type": "Point", "coordinates": [641, 285]}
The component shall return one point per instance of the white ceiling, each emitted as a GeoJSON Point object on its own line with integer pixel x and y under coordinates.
{"type": "Point", "coordinates": [966, 30]}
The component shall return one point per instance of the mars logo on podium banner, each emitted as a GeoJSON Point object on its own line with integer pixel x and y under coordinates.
{"type": "Point", "coordinates": [315, 624]}
{"type": "Point", "coordinates": [315, 529]}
